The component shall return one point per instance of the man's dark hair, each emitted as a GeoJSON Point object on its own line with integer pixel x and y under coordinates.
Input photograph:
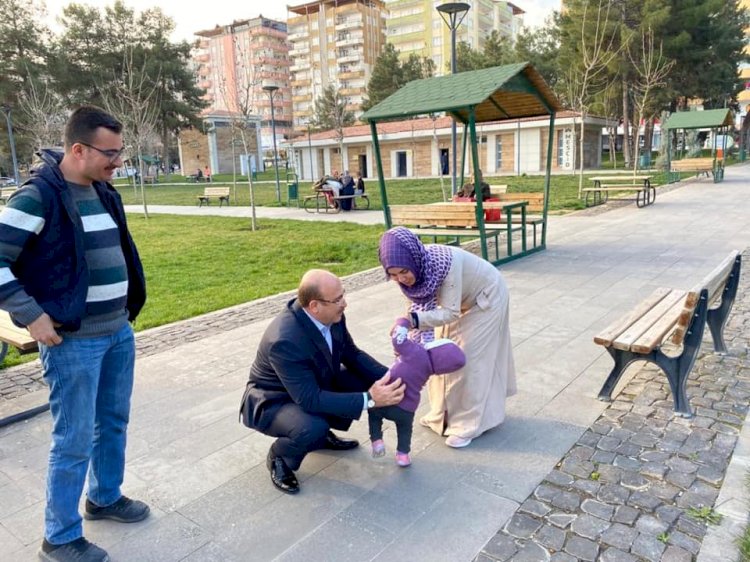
{"type": "Point", "coordinates": [84, 121]}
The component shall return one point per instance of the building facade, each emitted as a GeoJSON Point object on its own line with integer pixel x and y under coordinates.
{"type": "Point", "coordinates": [416, 27]}
{"type": "Point", "coordinates": [333, 42]}
{"type": "Point", "coordinates": [420, 148]}
{"type": "Point", "coordinates": [225, 144]}
{"type": "Point", "coordinates": [233, 62]}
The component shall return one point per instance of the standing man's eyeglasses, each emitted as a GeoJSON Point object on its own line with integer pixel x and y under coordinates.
{"type": "Point", "coordinates": [112, 154]}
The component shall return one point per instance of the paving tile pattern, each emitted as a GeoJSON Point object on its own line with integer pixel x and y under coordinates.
{"type": "Point", "coordinates": [633, 486]}
{"type": "Point", "coordinates": [26, 378]}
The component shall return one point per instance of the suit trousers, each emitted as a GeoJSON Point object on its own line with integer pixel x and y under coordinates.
{"type": "Point", "coordinates": [298, 432]}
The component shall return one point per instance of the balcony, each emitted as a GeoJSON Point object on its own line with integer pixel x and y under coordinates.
{"type": "Point", "coordinates": [298, 50]}
{"type": "Point", "coordinates": [351, 40]}
{"type": "Point", "coordinates": [355, 56]}
{"type": "Point", "coordinates": [205, 84]}
{"type": "Point", "coordinates": [352, 23]}
{"type": "Point", "coordinates": [202, 57]}
{"type": "Point", "coordinates": [350, 91]}
{"type": "Point", "coordinates": [297, 36]}
{"type": "Point", "coordinates": [300, 65]}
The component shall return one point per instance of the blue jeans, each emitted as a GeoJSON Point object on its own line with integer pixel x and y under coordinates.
{"type": "Point", "coordinates": [90, 381]}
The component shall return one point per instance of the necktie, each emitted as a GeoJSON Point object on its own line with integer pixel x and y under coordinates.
{"type": "Point", "coordinates": [326, 331]}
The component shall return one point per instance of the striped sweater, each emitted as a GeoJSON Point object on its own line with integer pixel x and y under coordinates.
{"type": "Point", "coordinates": [108, 278]}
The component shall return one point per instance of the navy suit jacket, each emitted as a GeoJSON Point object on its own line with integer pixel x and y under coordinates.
{"type": "Point", "coordinates": [293, 364]}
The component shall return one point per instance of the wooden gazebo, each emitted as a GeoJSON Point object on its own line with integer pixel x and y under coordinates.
{"type": "Point", "coordinates": [499, 93]}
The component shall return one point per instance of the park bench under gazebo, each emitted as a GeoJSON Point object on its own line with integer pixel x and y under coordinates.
{"type": "Point", "coordinates": [501, 93]}
{"type": "Point", "coordinates": [720, 122]}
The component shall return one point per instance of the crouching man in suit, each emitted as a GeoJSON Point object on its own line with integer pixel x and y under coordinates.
{"type": "Point", "coordinates": [309, 376]}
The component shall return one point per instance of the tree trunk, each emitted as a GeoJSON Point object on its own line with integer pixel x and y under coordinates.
{"type": "Point", "coordinates": [625, 124]}
{"type": "Point", "coordinates": [613, 146]}
{"type": "Point", "coordinates": [143, 189]}
{"type": "Point", "coordinates": [581, 154]}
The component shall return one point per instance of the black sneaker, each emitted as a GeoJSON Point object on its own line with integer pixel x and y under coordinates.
{"type": "Point", "coordinates": [123, 510]}
{"type": "Point", "coordinates": [79, 550]}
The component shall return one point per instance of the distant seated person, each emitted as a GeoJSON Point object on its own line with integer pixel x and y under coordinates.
{"type": "Point", "coordinates": [330, 185]}
{"type": "Point", "coordinates": [198, 175]}
{"type": "Point", "coordinates": [347, 191]}
{"type": "Point", "coordinates": [207, 173]}
{"type": "Point", "coordinates": [359, 185]}
{"type": "Point", "coordinates": [468, 191]}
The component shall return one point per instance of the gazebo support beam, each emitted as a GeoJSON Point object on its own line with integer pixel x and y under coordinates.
{"type": "Point", "coordinates": [550, 144]}
{"type": "Point", "coordinates": [477, 188]}
{"type": "Point", "coordinates": [381, 175]}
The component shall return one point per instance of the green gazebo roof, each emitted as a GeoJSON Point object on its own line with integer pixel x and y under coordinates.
{"type": "Point", "coordinates": [501, 92]}
{"type": "Point", "coordinates": [699, 119]}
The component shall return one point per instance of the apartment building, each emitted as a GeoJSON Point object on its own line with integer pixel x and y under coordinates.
{"type": "Point", "coordinates": [234, 62]}
{"type": "Point", "coordinates": [415, 26]}
{"type": "Point", "coordinates": [333, 42]}
{"type": "Point", "coordinates": [744, 72]}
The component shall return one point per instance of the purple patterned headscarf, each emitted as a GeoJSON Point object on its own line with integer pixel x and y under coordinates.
{"type": "Point", "coordinates": [399, 247]}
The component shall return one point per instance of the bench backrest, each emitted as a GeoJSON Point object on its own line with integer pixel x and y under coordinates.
{"type": "Point", "coordinates": [496, 190]}
{"type": "Point", "coordinates": [693, 164]}
{"type": "Point", "coordinates": [535, 199]}
{"type": "Point", "coordinates": [438, 214]}
{"type": "Point", "coordinates": [664, 311]}
{"type": "Point", "coordinates": [15, 336]}
{"type": "Point", "coordinates": [714, 284]}
{"type": "Point", "coordinates": [216, 191]}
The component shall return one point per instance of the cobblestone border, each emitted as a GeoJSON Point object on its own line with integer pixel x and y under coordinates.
{"type": "Point", "coordinates": [27, 378]}
{"type": "Point", "coordinates": [641, 482]}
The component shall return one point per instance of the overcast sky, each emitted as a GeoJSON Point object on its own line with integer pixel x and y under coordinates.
{"type": "Point", "coordinates": [222, 12]}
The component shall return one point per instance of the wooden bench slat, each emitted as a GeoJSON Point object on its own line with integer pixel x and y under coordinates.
{"type": "Point", "coordinates": [610, 333]}
{"type": "Point", "coordinates": [15, 336]}
{"type": "Point", "coordinates": [625, 340]}
{"type": "Point", "coordinates": [716, 280]}
{"type": "Point", "coordinates": [653, 337]}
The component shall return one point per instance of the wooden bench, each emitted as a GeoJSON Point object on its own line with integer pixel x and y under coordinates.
{"type": "Point", "coordinates": [645, 191]}
{"type": "Point", "coordinates": [323, 201]}
{"type": "Point", "coordinates": [457, 220]}
{"type": "Point", "coordinates": [697, 165]}
{"type": "Point", "coordinates": [10, 334]}
{"type": "Point", "coordinates": [220, 193]}
{"type": "Point", "coordinates": [6, 192]}
{"type": "Point", "coordinates": [676, 316]}
{"type": "Point", "coordinates": [149, 179]}
{"type": "Point", "coordinates": [533, 210]}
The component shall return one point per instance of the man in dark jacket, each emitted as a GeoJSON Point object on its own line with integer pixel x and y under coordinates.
{"type": "Point", "coordinates": [298, 389]}
{"type": "Point", "coordinates": [70, 273]}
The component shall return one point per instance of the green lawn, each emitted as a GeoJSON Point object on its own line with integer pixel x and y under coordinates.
{"type": "Point", "coordinates": [196, 265]}
{"type": "Point", "coordinates": [564, 191]}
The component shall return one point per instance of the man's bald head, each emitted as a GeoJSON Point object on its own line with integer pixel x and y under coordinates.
{"type": "Point", "coordinates": [315, 285]}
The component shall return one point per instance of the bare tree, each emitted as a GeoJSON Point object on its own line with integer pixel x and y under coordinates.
{"type": "Point", "coordinates": [596, 51]}
{"type": "Point", "coordinates": [133, 97]}
{"type": "Point", "coordinates": [43, 113]}
{"type": "Point", "coordinates": [652, 69]}
{"type": "Point", "coordinates": [240, 104]}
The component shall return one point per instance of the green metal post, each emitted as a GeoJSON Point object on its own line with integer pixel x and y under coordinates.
{"type": "Point", "coordinates": [463, 156]}
{"type": "Point", "coordinates": [477, 188]}
{"type": "Point", "coordinates": [548, 173]}
{"type": "Point", "coordinates": [381, 177]}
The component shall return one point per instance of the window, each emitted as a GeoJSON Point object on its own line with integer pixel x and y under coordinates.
{"type": "Point", "coordinates": [499, 153]}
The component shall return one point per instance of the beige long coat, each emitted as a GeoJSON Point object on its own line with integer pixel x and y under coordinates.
{"type": "Point", "coordinates": [473, 311]}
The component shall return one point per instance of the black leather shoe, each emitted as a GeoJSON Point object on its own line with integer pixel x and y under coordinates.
{"type": "Point", "coordinates": [337, 444]}
{"type": "Point", "coordinates": [281, 475]}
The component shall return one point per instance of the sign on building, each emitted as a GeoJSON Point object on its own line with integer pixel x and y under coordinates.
{"type": "Point", "coordinates": [567, 149]}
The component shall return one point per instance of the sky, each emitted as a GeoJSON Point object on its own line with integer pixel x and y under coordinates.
{"type": "Point", "coordinates": [223, 12]}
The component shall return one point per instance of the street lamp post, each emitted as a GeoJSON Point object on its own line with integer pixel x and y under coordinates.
{"type": "Point", "coordinates": [6, 110]}
{"type": "Point", "coordinates": [271, 92]}
{"type": "Point", "coordinates": [453, 13]}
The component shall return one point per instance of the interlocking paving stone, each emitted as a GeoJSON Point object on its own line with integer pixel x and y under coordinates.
{"type": "Point", "coordinates": [649, 466]}
{"type": "Point", "coordinates": [581, 548]}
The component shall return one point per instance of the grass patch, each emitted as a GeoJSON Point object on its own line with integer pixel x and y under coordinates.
{"type": "Point", "coordinates": [196, 265]}
{"type": "Point", "coordinates": [563, 191]}
{"type": "Point", "coordinates": [706, 514]}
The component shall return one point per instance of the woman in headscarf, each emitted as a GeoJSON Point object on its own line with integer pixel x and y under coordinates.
{"type": "Point", "coordinates": [466, 299]}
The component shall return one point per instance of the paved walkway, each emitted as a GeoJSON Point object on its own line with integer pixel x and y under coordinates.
{"type": "Point", "coordinates": [205, 475]}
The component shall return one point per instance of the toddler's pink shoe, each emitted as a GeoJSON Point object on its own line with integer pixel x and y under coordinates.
{"type": "Point", "coordinates": [378, 448]}
{"type": "Point", "coordinates": [402, 459]}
